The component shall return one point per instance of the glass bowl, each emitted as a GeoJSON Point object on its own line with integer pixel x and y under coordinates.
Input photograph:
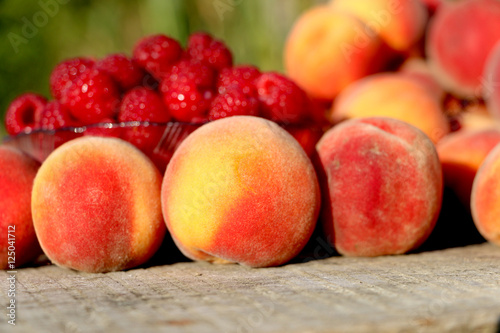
{"type": "Point", "coordinates": [157, 140]}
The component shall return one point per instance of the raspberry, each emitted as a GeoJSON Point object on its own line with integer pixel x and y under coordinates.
{"type": "Point", "coordinates": [142, 104]}
{"type": "Point", "coordinates": [244, 76]}
{"type": "Point", "coordinates": [126, 72]}
{"type": "Point", "coordinates": [185, 100]}
{"type": "Point", "coordinates": [156, 54]}
{"type": "Point", "coordinates": [55, 116]}
{"type": "Point", "coordinates": [281, 100]}
{"type": "Point", "coordinates": [92, 97]}
{"type": "Point", "coordinates": [210, 51]}
{"type": "Point", "coordinates": [192, 71]}
{"type": "Point", "coordinates": [233, 102]}
{"type": "Point", "coordinates": [65, 72]}
{"type": "Point", "coordinates": [24, 113]}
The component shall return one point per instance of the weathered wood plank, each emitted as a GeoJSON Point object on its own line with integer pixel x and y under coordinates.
{"type": "Point", "coordinates": [450, 290]}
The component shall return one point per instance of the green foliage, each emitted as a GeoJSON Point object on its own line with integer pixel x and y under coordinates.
{"type": "Point", "coordinates": [37, 34]}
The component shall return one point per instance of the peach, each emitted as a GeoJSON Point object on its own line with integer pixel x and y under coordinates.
{"type": "Point", "coordinates": [485, 197]}
{"type": "Point", "coordinates": [400, 23]}
{"type": "Point", "coordinates": [381, 184]}
{"type": "Point", "coordinates": [96, 205]}
{"type": "Point", "coordinates": [491, 86]}
{"type": "Point", "coordinates": [461, 153]}
{"type": "Point", "coordinates": [461, 35]}
{"type": "Point", "coordinates": [418, 69]}
{"type": "Point", "coordinates": [240, 190]}
{"type": "Point", "coordinates": [327, 49]}
{"type": "Point", "coordinates": [475, 117]}
{"type": "Point", "coordinates": [18, 242]}
{"type": "Point", "coordinates": [392, 95]}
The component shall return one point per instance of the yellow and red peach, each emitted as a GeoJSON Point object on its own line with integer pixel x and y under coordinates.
{"type": "Point", "coordinates": [461, 36]}
{"type": "Point", "coordinates": [18, 242]}
{"type": "Point", "coordinates": [400, 23]}
{"type": "Point", "coordinates": [96, 205]}
{"type": "Point", "coordinates": [240, 189]}
{"type": "Point", "coordinates": [328, 49]}
{"type": "Point", "coordinates": [485, 197]}
{"type": "Point", "coordinates": [392, 95]}
{"type": "Point", "coordinates": [381, 184]}
{"type": "Point", "coordinates": [461, 154]}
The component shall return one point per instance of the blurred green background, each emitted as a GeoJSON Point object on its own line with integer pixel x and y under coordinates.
{"type": "Point", "coordinates": [37, 34]}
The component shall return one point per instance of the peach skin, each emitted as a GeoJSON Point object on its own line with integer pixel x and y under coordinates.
{"type": "Point", "coordinates": [18, 242]}
{"type": "Point", "coordinates": [381, 184]}
{"type": "Point", "coordinates": [96, 205]}
{"type": "Point", "coordinates": [240, 190]}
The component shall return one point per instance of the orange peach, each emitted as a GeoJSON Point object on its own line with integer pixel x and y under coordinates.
{"type": "Point", "coordinates": [392, 95]}
{"type": "Point", "coordinates": [461, 35]}
{"type": "Point", "coordinates": [461, 153]}
{"type": "Point", "coordinates": [400, 23]}
{"type": "Point", "coordinates": [485, 197]}
{"type": "Point", "coordinates": [18, 242]}
{"type": "Point", "coordinates": [240, 189]}
{"type": "Point", "coordinates": [327, 49]}
{"type": "Point", "coordinates": [381, 184]}
{"type": "Point", "coordinates": [96, 205]}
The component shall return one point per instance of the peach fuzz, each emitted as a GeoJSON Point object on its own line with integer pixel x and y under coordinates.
{"type": "Point", "coordinates": [400, 23]}
{"type": "Point", "coordinates": [461, 154]}
{"type": "Point", "coordinates": [381, 184]}
{"type": "Point", "coordinates": [491, 87]}
{"type": "Point", "coordinates": [461, 36]}
{"type": "Point", "coordinates": [17, 171]}
{"type": "Point", "coordinates": [240, 190]}
{"type": "Point", "coordinates": [96, 205]}
{"type": "Point", "coordinates": [485, 197]}
{"type": "Point", "coordinates": [327, 49]}
{"type": "Point", "coordinates": [392, 95]}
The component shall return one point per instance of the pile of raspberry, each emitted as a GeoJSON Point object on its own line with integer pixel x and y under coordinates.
{"type": "Point", "coordinates": [161, 82]}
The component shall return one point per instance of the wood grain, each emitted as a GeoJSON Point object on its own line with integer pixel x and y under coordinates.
{"type": "Point", "coordinates": [453, 290]}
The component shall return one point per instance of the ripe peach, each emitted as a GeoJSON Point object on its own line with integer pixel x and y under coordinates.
{"type": "Point", "coordinates": [418, 69]}
{"type": "Point", "coordinates": [461, 35]}
{"type": "Point", "coordinates": [491, 84]}
{"type": "Point", "coordinates": [96, 205]}
{"type": "Point", "coordinates": [392, 95]}
{"type": "Point", "coordinates": [461, 153]}
{"type": "Point", "coordinates": [485, 197]}
{"type": "Point", "coordinates": [240, 189]}
{"type": "Point", "coordinates": [18, 243]}
{"type": "Point", "coordinates": [381, 184]}
{"type": "Point", "coordinates": [400, 23]}
{"type": "Point", "coordinates": [327, 49]}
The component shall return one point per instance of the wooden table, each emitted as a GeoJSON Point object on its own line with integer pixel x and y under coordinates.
{"type": "Point", "coordinates": [454, 290]}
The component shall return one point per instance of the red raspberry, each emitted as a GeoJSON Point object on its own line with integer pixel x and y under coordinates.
{"type": "Point", "coordinates": [65, 72]}
{"type": "Point", "coordinates": [142, 104]}
{"type": "Point", "coordinates": [192, 71]}
{"type": "Point", "coordinates": [156, 54]}
{"type": "Point", "coordinates": [210, 51]}
{"type": "Point", "coordinates": [55, 116]}
{"type": "Point", "coordinates": [244, 76]}
{"type": "Point", "coordinates": [234, 102]}
{"type": "Point", "coordinates": [185, 100]}
{"type": "Point", "coordinates": [126, 72]}
{"type": "Point", "coordinates": [24, 113]}
{"type": "Point", "coordinates": [92, 97]}
{"type": "Point", "coordinates": [281, 100]}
